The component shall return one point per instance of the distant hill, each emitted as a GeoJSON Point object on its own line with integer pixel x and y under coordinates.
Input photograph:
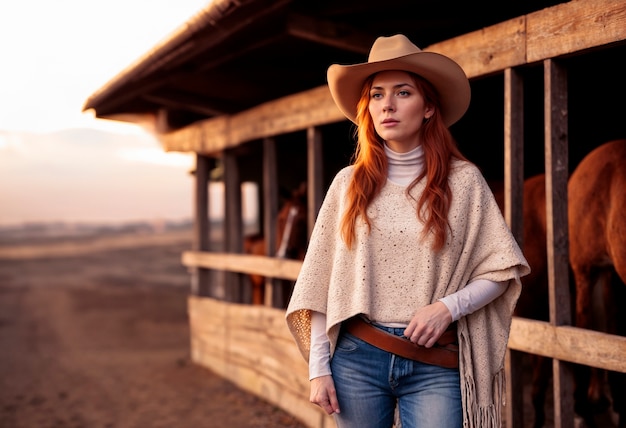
{"type": "Point", "coordinates": [38, 233]}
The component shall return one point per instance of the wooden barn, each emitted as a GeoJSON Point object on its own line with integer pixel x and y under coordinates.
{"type": "Point", "coordinates": [242, 85]}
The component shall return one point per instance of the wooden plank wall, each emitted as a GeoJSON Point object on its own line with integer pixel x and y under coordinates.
{"type": "Point", "coordinates": [252, 347]}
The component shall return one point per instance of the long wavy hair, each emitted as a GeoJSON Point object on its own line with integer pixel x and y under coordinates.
{"type": "Point", "coordinates": [370, 169]}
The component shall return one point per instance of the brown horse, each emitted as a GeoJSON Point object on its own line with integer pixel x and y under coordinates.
{"type": "Point", "coordinates": [597, 233]}
{"type": "Point", "coordinates": [533, 301]}
{"type": "Point", "coordinates": [291, 237]}
{"type": "Point", "coordinates": [255, 245]}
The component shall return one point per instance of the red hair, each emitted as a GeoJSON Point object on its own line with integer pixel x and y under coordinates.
{"type": "Point", "coordinates": [370, 169]}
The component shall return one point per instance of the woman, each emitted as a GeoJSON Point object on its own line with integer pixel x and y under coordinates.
{"type": "Point", "coordinates": [408, 286]}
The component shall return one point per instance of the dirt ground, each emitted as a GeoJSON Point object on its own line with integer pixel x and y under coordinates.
{"type": "Point", "coordinates": [95, 334]}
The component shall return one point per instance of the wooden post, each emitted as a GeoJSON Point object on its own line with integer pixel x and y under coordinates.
{"type": "Point", "coordinates": [556, 165]}
{"type": "Point", "coordinates": [200, 276]}
{"type": "Point", "coordinates": [270, 196]}
{"type": "Point", "coordinates": [233, 224]}
{"type": "Point", "coordinates": [315, 169]}
{"type": "Point", "coordinates": [513, 197]}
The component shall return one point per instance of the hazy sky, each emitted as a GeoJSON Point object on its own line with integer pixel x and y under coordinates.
{"type": "Point", "coordinates": [57, 163]}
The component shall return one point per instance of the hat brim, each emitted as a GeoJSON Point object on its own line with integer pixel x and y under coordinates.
{"type": "Point", "coordinates": [448, 78]}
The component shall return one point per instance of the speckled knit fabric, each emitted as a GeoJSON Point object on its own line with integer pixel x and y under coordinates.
{"type": "Point", "coordinates": [389, 273]}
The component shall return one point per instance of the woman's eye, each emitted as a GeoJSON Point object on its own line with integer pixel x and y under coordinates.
{"type": "Point", "coordinates": [403, 93]}
{"type": "Point", "coordinates": [376, 95]}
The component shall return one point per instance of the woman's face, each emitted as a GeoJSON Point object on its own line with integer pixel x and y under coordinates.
{"type": "Point", "coordinates": [398, 109]}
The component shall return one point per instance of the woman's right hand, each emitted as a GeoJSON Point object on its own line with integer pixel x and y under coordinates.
{"type": "Point", "coordinates": [324, 395]}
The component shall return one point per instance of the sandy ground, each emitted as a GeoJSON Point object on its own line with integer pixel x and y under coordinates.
{"type": "Point", "coordinates": [95, 334]}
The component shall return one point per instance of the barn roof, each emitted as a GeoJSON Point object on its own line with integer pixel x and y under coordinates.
{"type": "Point", "coordinates": [236, 54]}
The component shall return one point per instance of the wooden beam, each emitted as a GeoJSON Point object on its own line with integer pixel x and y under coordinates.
{"type": "Point", "coordinates": [513, 197]}
{"type": "Point", "coordinates": [288, 114]}
{"type": "Point", "coordinates": [229, 26]}
{"type": "Point", "coordinates": [201, 230]}
{"type": "Point", "coordinates": [315, 173]}
{"type": "Point", "coordinates": [556, 155]}
{"type": "Point", "coordinates": [187, 139]}
{"type": "Point", "coordinates": [270, 207]}
{"type": "Point", "coordinates": [232, 221]}
{"type": "Point", "coordinates": [329, 33]}
{"type": "Point", "coordinates": [557, 174]}
{"type": "Point", "coordinates": [270, 194]}
{"type": "Point", "coordinates": [183, 100]}
{"type": "Point", "coordinates": [514, 152]}
{"type": "Point", "coordinates": [244, 263]}
{"type": "Point", "coordinates": [221, 55]}
{"type": "Point", "coordinates": [487, 51]}
{"type": "Point", "coordinates": [574, 26]}
{"type": "Point", "coordinates": [560, 30]}
{"type": "Point", "coordinates": [567, 343]}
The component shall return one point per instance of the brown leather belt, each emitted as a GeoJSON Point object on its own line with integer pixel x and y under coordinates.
{"type": "Point", "coordinates": [444, 353]}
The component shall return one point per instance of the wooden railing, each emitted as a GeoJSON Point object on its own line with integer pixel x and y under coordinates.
{"type": "Point", "coordinates": [243, 263]}
{"type": "Point", "coordinates": [566, 343]}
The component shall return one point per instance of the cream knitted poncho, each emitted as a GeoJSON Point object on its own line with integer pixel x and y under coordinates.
{"type": "Point", "coordinates": [389, 273]}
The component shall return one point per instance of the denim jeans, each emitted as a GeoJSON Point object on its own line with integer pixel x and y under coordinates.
{"type": "Point", "coordinates": [370, 381]}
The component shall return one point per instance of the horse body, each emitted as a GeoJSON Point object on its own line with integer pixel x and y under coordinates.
{"type": "Point", "coordinates": [597, 233]}
{"type": "Point", "coordinates": [255, 245]}
{"type": "Point", "coordinates": [533, 302]}
{"type": "Point", "coordinates": [597, 213]}
{"type": "Point", "coordinates": [292, 235]}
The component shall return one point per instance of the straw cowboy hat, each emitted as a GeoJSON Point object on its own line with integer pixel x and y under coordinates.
{"type": "Point", "coordinates": [398, 53]}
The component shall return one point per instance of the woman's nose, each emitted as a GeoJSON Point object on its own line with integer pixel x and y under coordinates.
{"type": "Point", "coordinates": [388, 107]}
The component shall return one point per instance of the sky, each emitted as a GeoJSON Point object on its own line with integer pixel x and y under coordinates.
{"type": "Point", "coordinates": [58, 163]}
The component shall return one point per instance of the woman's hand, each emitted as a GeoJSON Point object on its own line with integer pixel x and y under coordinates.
{"type": "Point", "coordinates": [428, 324]}
{"type": "Point", "coordinates": [324, 395]}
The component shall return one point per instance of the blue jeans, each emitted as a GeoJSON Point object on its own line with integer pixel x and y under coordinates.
{"type": "Point", "coordinates": [370, 381]}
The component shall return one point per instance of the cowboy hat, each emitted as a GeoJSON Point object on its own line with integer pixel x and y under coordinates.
{"type": "Point", "coordinates": [398, 53]}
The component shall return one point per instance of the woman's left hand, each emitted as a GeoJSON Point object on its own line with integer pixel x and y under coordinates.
{"type": "Point", "coordinates": [428, 324]}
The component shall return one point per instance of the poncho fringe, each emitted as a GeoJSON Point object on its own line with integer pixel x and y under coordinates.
{"type": "Point", "coordinates": [476, 416]}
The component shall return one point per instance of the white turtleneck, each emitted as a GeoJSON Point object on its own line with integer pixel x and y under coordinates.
{"type": "Point", "coordinates": [403, 168]}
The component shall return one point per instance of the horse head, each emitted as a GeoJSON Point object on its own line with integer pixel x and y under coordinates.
{"type": "Point", "coordinates": [292, 229]}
